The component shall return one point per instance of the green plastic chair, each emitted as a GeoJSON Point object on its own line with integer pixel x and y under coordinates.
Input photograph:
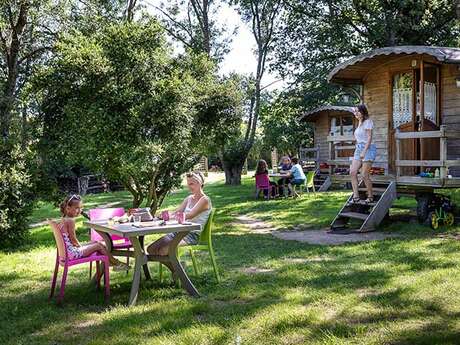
{"type": "Point", "coordinates": [309, 183]}
{"type": "Point", "coordinates": [204, 244]}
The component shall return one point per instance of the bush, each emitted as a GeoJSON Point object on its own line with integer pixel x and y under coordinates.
{"type": "Point", "coordinates": [15, 195]}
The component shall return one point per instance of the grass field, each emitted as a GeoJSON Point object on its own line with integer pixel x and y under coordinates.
{"type": "Point", "coordinates": [398, 291]}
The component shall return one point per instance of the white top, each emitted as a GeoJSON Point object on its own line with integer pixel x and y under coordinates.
{"type": "Point", "coordinates": [360, 132]}
{"type": "Point", "coordinates": [202, 217]}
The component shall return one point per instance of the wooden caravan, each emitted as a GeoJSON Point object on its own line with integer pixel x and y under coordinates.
{"type": "Point", "coordinates": [399, 85]}
{"type": "Point", "coordinates": [329, 121]}
{"type": "Point", "coordinates": [413, 97]}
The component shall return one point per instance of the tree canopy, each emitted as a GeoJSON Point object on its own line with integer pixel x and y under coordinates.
{"type": "Point", "coordinates": [120, 103]}
{"type": "Point", "coordinates": [314, 36]}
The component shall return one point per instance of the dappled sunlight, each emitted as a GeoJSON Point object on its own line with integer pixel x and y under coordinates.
{"type": "Point", "coordinates": [395, 290]}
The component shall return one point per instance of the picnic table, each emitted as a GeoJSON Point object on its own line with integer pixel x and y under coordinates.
{"type": "Point", "coordinates": [136, 235]}
{"type": "Point", "coordinates": [279, 175]}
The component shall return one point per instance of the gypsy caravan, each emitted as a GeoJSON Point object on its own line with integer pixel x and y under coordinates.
{"type": "Point", "coordinates": [413, 97]}
{"type": "Point", "coordinates": [329, 121]}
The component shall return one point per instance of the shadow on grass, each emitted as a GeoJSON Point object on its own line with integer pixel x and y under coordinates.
{"type": "Point", "coordinates": [358, 280]}
{"type": "Point", "coordinates": [166, 311]}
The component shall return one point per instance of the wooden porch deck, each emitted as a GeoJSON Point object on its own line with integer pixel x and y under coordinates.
{"type": "Point", "coordinates": [404, 182]}
{"type": "Point", "coordinates": [407, 182]}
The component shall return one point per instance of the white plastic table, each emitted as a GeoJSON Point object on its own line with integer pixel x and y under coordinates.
{"type": "Point", "coordinates": [136, 236]}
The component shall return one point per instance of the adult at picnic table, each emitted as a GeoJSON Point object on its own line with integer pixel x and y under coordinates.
{"type": "Point", "coordinates": [285, 166]}
{"type": "Point", "coordinates": [365, 153]}
{"type": "Point", "coordinates": [296, 173]}
{"type": "Point", "coordinates": [196, 207]}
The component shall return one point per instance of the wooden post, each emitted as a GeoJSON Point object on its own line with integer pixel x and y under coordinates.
{"type": "Point", "coordinates": [317, 158]}
{"type": "Point", "coordinates": [274, 158]}
{"type": "Point", "coordinates": [422, 106]}
{"type": "Point", "coordinates": [330, 157]}
{"type": "Point", "coordinates": [206, 169]}
{"type": "Point", "coordinates": [438, 96]}
{"type": "Point", "coordinates": [443, 152]}
{"type": "Point", "coordinates": [414, 116]}
{"type": "Point", "coordinates": [398, 152]}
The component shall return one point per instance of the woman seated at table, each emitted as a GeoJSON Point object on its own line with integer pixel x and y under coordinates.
{"type": "Point", "coordinates": [285, 166]}
{"type": "Point", "coordinates": [296, 173]}
{"type": "Point", "coordinates": [197, 208]}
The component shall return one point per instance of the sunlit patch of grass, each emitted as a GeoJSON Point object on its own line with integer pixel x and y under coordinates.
{"type": "Point", "coordinates": [398, 291]}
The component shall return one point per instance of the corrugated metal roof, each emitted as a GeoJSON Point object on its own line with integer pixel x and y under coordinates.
{"type": "Point", "coordinates": [311, 115]}
{"type": "Point", "coordinates": [363, 62]}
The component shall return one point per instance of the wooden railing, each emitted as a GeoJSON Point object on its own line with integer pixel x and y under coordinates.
{"type": "Point", "coordinates": [443, 163]}
{"type": "Point", "coordinates": [334, 149]}
{"type": "Point", "coordinates": [303, 151]}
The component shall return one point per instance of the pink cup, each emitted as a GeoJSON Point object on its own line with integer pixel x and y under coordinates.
{"type": "Point", "coordinates": [165, 215]}
{"type": "Point", "coordinates": [180, 217]}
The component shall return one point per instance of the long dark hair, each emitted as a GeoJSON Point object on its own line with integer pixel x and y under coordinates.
{"type": "Point", "coordinates": [261, 167]}
{"type": "Point", "coordinates": [363, 110]}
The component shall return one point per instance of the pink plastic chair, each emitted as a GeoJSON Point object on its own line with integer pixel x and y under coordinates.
{"type": "Point", "coordinates": [117, 241]}
{"type": "Point", "coordinates": [62, 259]}
{"type": "Point", "coordinates": [262, 183]}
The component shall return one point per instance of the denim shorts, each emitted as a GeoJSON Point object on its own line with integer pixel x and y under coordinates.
{"type": "Point", "coordinates": [297, 181]}
{"type": "Point", "coordinates": [370, 155]}
{"type": "Point", "coordinates": [190, 238]}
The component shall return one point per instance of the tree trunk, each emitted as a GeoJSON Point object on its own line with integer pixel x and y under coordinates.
{"type": "Point", "coordinates": [24, 136]}
{"type": "Point", "coordinates": [130, 10]}
{"type": "Point", "coordinates": [11, 52]}
{"type": "Point", "coordinates": [233, 175]}
{"type": "Point", "coordinates": [6, 106]}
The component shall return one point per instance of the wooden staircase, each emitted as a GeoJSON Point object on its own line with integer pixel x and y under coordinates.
{"type": "Point", "coordinates": [361, 217]}
{"type": "Point", "coordinates": [322, 182]}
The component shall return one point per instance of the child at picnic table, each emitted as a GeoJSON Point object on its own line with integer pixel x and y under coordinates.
{"type": "Point", "coordinates": [285, 166]}
{"type": "Point", "coordinates": [296, 173]}
{"type": "Point", "coordinates": [262, 170]}
{"type": "Point", "coordinates": [71, 208]}
{"type": "Point", "coordinates": [196, 207]}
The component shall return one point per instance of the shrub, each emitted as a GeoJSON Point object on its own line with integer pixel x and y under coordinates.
{"type": "Point", "coordinates": [15, 195]}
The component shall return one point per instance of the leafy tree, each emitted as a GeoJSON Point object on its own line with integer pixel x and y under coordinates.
{"type": "Point", "coordinates": [15, 194]}
{"type": "Point", "coordinates": [314, 36]}
{"type": "Point", "coordinates": [282, 129]}
{"type": "Point", "coordinates": [25, 35]}
{"type": "Point", "coordinates": [194, 24]}
{"type": "Point", "coordinates": [262, 15]}
{"type": "Point", "coordinates": [117, 102]}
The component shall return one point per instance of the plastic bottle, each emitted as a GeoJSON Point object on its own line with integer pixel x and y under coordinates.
{"type": "Point", "coordinates": [436, 173]}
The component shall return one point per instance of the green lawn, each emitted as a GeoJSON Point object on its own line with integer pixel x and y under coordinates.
{"type": "Point", "coordinates": [399, 291]}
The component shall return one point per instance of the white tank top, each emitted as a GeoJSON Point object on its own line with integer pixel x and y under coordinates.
{"type": "Point", "coordinates": [202, 217]}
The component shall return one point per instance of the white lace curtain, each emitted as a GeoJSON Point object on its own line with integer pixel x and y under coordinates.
{"type": "Point", "coordinates": [430, 101]}
{"type": "Point", "coordinates": [402, 106]}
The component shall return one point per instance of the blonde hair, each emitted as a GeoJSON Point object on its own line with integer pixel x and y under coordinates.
{"type": "Point", "coordinates": [197, 176]}
{"type": "Point", "coordinates": [69, 201]}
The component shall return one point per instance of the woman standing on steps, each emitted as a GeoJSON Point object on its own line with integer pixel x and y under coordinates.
{"type": "Point", "coordinates": [365, 153]}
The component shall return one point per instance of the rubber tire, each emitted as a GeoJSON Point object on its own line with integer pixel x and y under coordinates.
{"type": "Point", "coordinates": [450, 219]}
{"type": "Point", "coordinates": [434, 221]}
{"type": "Point", "coordinates": [422, 208]}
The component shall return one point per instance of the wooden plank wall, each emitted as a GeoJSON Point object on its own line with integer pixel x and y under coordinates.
{"type": "Point", "coordinates": [450, 103]}
{"type": "Point", "coordinates": [321, 133]}
{"type": "Point", "coordinates": [376, 100]}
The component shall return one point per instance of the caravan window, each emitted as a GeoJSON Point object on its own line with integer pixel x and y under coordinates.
{"type": "Point", "coordinates": [341, 125]}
